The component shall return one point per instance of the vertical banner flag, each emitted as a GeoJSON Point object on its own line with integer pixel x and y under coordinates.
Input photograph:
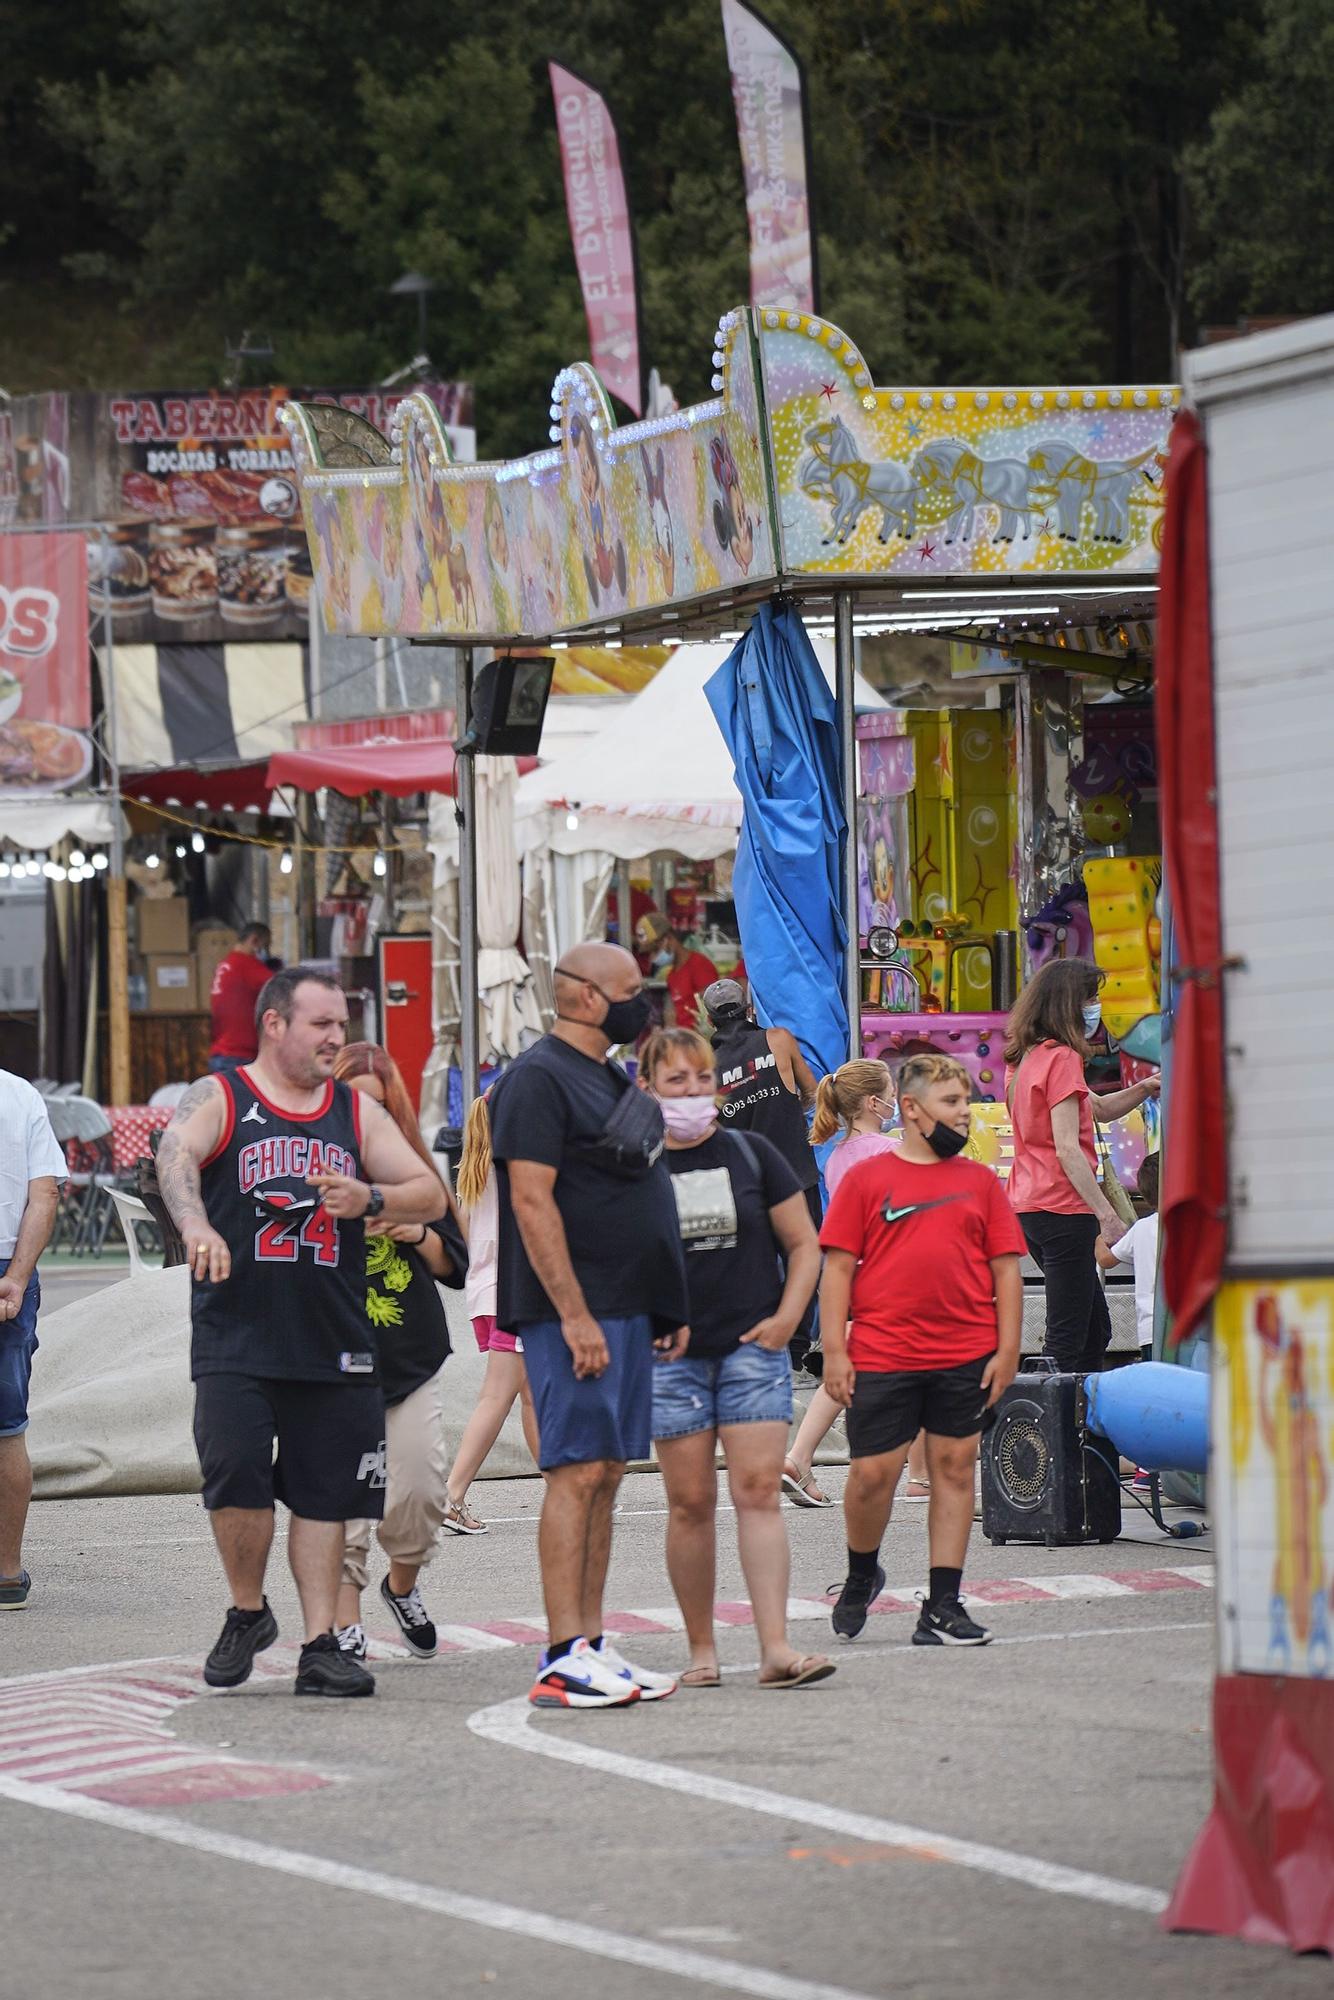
{"type": "Point", "coordinates": [600, 231]}
{"type": "Point", "coordinates": [768, 90]}
{"type": "Point", "coordinates": [45, 687]}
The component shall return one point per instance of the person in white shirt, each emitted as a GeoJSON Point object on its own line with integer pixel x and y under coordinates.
{"type": "Point", "coordinates": [32, 1169]}
{"type": "Point", "coordinates": [505, 1377]}
{"type": "Point", "coordinates": [1139, 1248]}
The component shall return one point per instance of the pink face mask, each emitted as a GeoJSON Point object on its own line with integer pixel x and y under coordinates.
{"type": "Point", "coordinates": [688, 1118]}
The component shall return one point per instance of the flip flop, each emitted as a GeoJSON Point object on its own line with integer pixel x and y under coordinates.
{"type": "Point", "coordinates": [799, 1490]}
{"type": "Point", "coordinates": [700, 1677]}
{"type": "Point", "coordinates": [925, 1485]}
{"type": "Point", "coordinates": [803, 1673]}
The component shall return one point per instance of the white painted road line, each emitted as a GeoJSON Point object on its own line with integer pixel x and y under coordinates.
{"type": "Point", "coordinates": [621, 1949]}
{"type": "Point", "coordinates": [508, 1724]}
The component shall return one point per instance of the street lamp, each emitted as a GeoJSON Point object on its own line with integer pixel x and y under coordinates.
{"type": "Point", "coordinates": [413, 285]}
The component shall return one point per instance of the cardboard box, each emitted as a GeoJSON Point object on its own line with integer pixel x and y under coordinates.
{"type": "Point", "coordinates": [212, 944]}
{"type": "Point", "coordinates": [171, 983]}
{"type": "Point", "coordinates": [164, 925]}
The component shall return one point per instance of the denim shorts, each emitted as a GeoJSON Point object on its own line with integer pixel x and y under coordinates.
{"type": "Point", "coordinates": [18, 1344]}
{"type": "Point", "coordinates": [582, 1420]}
{"type": "Point", "coordinates": [751, 1385]}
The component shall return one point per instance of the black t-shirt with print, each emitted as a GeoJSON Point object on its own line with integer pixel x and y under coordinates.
{"type": "Point", "coordinates": [405, 1309]}
{"type": "Point", "coordinates": [550, 1105]}
{"type": "Point", "coordinates": [724, 1190]}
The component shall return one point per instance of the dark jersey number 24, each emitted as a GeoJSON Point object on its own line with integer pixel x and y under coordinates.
{"type": "Point", "coordinates": [282, 1242]}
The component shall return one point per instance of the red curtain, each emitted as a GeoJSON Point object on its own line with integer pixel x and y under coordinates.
{"type": "Point", "coordinates": [1194, 1196]}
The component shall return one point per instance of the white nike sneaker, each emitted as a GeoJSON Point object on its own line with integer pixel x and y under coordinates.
{"type": "Point", "coordinates": [582, 1678]}
{"type": "Point", "coordinates": [652, 1687]}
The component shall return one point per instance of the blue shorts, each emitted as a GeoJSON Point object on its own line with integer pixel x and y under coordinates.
{"type": "Point", "coordinates": [752, 1385]}
{"type": "Point", "coordinates": [602, 1417]}
{"type": "Point", "coordinates": [18, 1344]}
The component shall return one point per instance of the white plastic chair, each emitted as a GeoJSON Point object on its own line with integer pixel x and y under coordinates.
{"type": "Point", "coordinates": [129, 1212]}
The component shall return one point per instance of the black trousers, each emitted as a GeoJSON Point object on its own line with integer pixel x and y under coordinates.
{"type": "Point", "coordinates": [1079, 1325]}
{"type": "Point", "coordinates": [807, 1335]}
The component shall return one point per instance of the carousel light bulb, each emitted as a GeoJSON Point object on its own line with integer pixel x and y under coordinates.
{"type": "Point", "coordinates": [53, 871]}
{"type": "Point", "coordinates": [571, 822]}
{"type": "Point", "coordinates": [33, 866]}
{"type": "Point", "coordinates": [100, 861]}
{"type": "Point", "coordinates": [197, 841]}
{"type": "Point", "coordinates": [379, 866]}
{"type": "Point", "coordinates": [181, 850]}
{"type": "Point", "coordinates": [152, 861]}
{"type": "Point", "coordinates": [4, 870]}
{"type": "Point", "coordinates": [77, 857]}
{"type": "Point", "coordinates": [285, 863]}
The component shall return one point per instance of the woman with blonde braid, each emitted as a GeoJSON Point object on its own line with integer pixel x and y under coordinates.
{"type": "Point", "coordinates": [855, 1102]}
{"type": "Point", "coordinates": [505, 1377]}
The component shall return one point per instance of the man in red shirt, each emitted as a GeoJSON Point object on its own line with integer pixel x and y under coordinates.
{"type": "Point", "coordinates": [687, 972]}
{"type": "Point", "coordinates": [922, 1253]}
{"type": "Point", "coordinates": [237, 984]}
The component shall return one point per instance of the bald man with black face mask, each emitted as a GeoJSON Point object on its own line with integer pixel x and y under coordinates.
{"type": "Point", "coordinates": [592, 1280]}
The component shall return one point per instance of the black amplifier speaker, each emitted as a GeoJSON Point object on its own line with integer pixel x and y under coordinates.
{"type": "Point", "coordinates": [1044, 1478]}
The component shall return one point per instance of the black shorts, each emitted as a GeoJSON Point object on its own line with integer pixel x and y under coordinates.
{"type": "Point", "coordinates": [330, 1463]}
{"type": "Point", "coordinates": [887, 1411]}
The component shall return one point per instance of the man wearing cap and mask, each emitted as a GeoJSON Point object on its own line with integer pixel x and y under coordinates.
{"type": "Point", "coordinates": [687, 972]}
{"type": "Point", "coordinates": [767, 1087]}
{"type": "Point", "coordinates": [592, 1277]}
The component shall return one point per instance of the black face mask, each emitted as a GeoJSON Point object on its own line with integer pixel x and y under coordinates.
{"type": "Point", "coordinates": [944, 1141]}
{"type": "Point", "coordinates": [625, 1020]}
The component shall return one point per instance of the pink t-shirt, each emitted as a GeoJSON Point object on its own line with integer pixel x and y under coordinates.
{"type": "Point", "coordinates": [857, 1146]}
{"type": "Point", "coordinates": [1048, 1074]}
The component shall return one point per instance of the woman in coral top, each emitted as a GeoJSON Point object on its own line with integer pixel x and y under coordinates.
{"type": "Point", "coordinates": [1054, 1185]}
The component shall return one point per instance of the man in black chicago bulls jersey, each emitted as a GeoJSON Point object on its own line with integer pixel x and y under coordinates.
{"type": "Point", "coordinates": [268, 1174]}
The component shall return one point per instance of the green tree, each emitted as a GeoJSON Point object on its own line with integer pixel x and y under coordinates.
{"type": "Point", "coordinates": [1263, 180]}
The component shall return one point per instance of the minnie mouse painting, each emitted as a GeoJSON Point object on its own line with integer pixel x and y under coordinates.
{"type": "Point", "coordinates": [731, 520]}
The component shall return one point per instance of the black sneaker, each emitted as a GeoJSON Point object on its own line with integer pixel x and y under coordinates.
{"type": "Point", "coordinates": [948, 1624]}
{"type": "Point", "coordinates": [412, 1621]}
{"type": "Point", "coordinates": [242, 1636]}
{"type": "Point", "coordinates": [857, 1596]}
{"type": "Point", "coordinates": [324, 1668]}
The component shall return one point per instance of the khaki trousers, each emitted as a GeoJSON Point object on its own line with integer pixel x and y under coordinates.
{"type": "Point", "coordinates": [415, 1491]}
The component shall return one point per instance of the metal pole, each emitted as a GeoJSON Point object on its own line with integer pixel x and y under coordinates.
{"type": "Point", "coordinates": [118, 947]}
{"type": "Point", "coordinates": [465, 812]}
{"type": "Point", "coordinates": [844, 687]}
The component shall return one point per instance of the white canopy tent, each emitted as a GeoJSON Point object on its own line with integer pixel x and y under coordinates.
{"type": "Point", "coordinates": [657, 778]}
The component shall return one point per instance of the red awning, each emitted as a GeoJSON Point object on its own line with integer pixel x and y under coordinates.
{"type": "Point", "coordinates": [354, 769]}
{"type": "Point", "coordinates": [234, 788]}
{"type": "Point", "coordinates": [1194, 1194]}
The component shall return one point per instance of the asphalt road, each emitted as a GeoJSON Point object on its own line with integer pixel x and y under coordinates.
{"type": "Point", "coordinates": [923, 1824]}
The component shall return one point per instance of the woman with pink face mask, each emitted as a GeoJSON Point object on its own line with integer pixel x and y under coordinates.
{"type": "Point", "coordinates": [752, 1262]}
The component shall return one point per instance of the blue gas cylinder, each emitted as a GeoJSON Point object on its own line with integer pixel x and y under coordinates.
{"type": "Point", "coordinates": [1154, 1413]}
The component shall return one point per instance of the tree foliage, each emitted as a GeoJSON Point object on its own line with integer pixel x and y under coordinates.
{"type": "Point", "coordinates": [1001, 192]}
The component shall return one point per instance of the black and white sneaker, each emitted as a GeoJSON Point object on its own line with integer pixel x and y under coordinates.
{"type": "Point", "coordinates": [242, 1636]}
{"type": "Point", "coordinates": [412, 1621]}
{"type": "Point", "coordinates": [352, 1639]}
{"type": "Point", "coordinates": [324, 1668]}
{"type": "Point", "coordinates": [855, 1599]}
{"type": "Point", "coordinates": [948, 1624]}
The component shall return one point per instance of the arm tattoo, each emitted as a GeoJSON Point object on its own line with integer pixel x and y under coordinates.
{"type": "Point", "coordinates": [177, 1167]}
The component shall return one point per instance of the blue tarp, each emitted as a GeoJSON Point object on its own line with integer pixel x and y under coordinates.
{"type": "Point", "coordinates": [780, 723]}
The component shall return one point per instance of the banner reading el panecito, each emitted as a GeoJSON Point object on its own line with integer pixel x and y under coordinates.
{"type": "Point", "coordinates": [767, 90]}
{"type": "Point", "coordinates": [600, 231]}
{"type": "Point", "coordinates": [45, 698]}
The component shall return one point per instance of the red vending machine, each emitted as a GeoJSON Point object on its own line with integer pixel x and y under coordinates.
{"type": "Point", "coordinates": [405, 1005]}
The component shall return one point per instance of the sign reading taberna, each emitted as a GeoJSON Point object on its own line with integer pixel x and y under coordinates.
{"type": "Point", "coordinates": [224, 456]}
{"type": "Point", "coordinates": [45, 692]}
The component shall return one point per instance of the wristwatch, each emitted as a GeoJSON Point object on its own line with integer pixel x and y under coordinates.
{"type": "Point", "coordinates": [375, 1206]}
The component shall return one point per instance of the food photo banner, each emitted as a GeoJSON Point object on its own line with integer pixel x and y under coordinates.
{"type": "Point", "coordinates": [870, 483]}
{"type": "Point", "coordinates": [45, 691]}
{"type": "Point", "coordinates": [204, 539]}
{"type": "Point", "coordinates": [601, 232]}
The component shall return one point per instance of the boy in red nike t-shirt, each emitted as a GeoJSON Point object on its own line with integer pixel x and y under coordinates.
{"type": "Point", "coordinates": [922, 1253]}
